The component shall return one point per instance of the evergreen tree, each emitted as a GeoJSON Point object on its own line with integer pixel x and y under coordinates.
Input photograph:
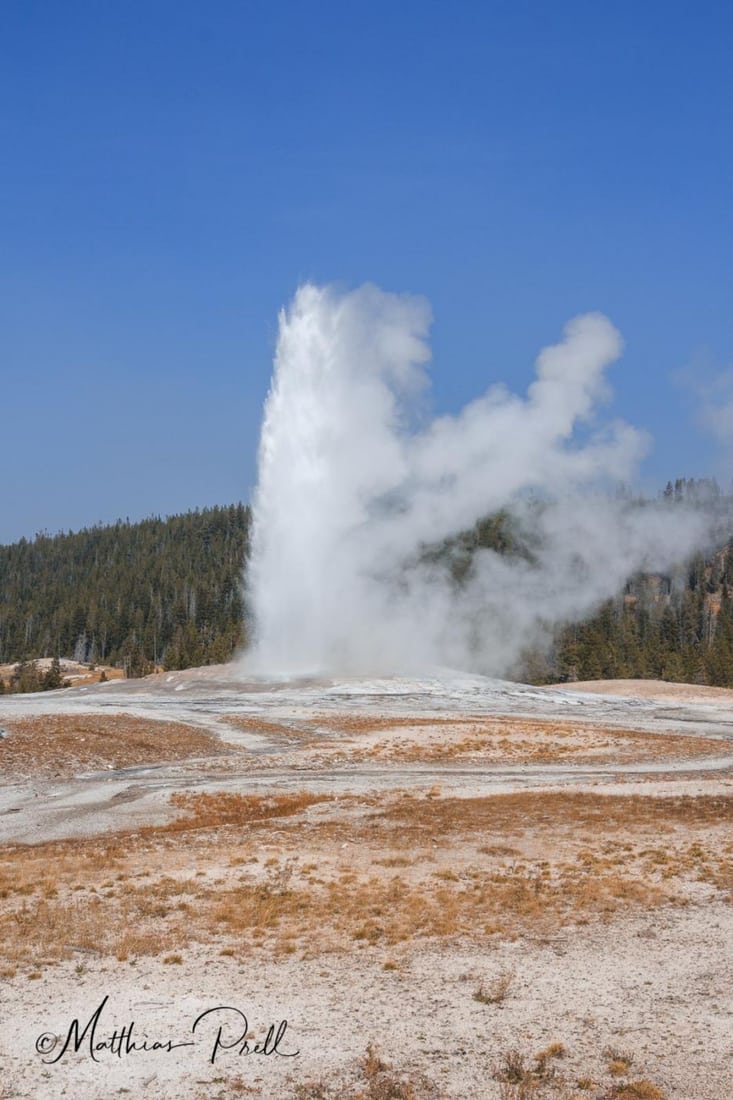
{"type": "Point", "coordinates": [120, 594]}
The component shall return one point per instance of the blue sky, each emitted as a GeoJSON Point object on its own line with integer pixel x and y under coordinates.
{"type": "Point", "coordinates": [172, 171]}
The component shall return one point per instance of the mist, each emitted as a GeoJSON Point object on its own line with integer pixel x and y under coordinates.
{"type": "Point", "coordinates": [357, 485]}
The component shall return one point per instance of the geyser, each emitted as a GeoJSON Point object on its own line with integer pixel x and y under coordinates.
{"type": "Point", "coordinates": [354, 485]}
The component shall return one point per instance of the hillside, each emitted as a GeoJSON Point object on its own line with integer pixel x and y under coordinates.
{"type": "Point", "coordinates": [168, 593]}
{"type": "Point", "coordinates": [135, 595]}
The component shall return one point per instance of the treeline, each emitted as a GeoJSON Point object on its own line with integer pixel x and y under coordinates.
{"type": "Point", "coordinates": [163, 592]}
{"type": "Point", "coordinates": [677, 627]}
{"type": "Point", "coordinates": [27, 676]}
{"type": "Point", "coordinates": [168, 593]}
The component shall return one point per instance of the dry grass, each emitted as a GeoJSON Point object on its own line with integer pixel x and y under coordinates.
{"type": "Point", "coordinates": [372, 1078]}
{"type": "Point", "coordinates": [276, 730]}
{"type": "Point", "coordinates": [496, 739]}
{"type": "Point", "coordinates": [640, 1089]}
{"type": "Point", "coordinates": [538, 1077]}
{"type": "Point", "coordinates": [211, 811]}
{"type": "Point", "coordinates": [619, 1061]}
{"type": "Point", "coordinates": [66, 744]}
{"type": "Point", "coordinates": [74, 896]}
{"type": "Point", "coordinates": [513, 813]}
{"type": "Point", "coordinates": [307, 873]}
{"type": "Point", "coordinates": [496, 991]}
{"type": "Point", "coordinates": [518, 1077]}
{"type": "Point", "coordinates": [336, 738]}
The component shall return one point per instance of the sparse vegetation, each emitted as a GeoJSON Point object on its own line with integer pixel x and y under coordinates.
{"type": "Point", "coordinates": [113, 894]}
{"type": "Point", "coordinates": [495, 991]}
{"type": "Point", "coordinates": [208, 811]}
{"type": "Point", "coordinates": [619, 1062]}
{"type": "Point", "coordinates": [539, 1078]}
{"type": "Point", "coordinates": [64, 745]}
{"type": "Point", "coordinates": [640, 1089]}
{"type": "Point", "coordinates": [372, 1078]}
{"type": "Point", "coordinates": [306, 875]}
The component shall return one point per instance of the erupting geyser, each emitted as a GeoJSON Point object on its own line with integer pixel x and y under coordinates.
{"type": "Point", "coordinates": [353, 487]}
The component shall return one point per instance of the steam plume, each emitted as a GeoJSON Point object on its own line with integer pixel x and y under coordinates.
{"type": "Point", "coordinates": [351, 492]}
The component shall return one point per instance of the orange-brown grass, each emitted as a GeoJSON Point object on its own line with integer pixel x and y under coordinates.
{"type": "Point", "coordinates": [238, 872]}
{"type": "Point", "coordinates": [78, 894]}
{"type": "Point", "coordinates": [511, 812]}
{"type": "Point", "coordinates": [540, 1077]}
{"type": "Point", "coordinates": [39, 869]}
{"type": "Point", "coordinates": [211, 810]}
{"type": "Point", "coordinates": [65, 744]}
{"type": "Point", "coordinates": [494, 739]}
{"type": "Point", "coordinates": [639, 1089]}
{"type": "Point", "coordinates": [519, 1076]}
{"type": "Point", "coordinates": [623, 746]}
{"type": "Point", "coordinates": [369, 1078]}
{"type": "Point", "coordinates": [275, 729]}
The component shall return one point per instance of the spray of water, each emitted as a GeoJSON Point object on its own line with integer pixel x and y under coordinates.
{"type": "Point", "coordinates": [355, 486]}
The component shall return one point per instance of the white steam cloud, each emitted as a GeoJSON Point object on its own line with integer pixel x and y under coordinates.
{"type": "Point", "coordinates": [351, 493]}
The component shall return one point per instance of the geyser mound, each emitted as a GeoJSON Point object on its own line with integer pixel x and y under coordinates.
{"type": "Point", "coordinates": [356, 491]}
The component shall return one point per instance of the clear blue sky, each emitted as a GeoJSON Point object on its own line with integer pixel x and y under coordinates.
{"type": "Point", "coordinates": [172, 170]}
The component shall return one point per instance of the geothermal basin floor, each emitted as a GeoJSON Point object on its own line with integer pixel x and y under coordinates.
{"type": "Point", "coordinates": [442, 887]}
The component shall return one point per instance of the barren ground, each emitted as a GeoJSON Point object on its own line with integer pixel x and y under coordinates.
{"type": "Point", "coordinates": [448, 887]}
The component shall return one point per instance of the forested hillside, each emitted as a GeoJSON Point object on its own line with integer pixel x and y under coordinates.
{"type": "Point", "coordinates": [132, 594]}
{"type": "Point", "coordinates": [676, 627]}
{"type": "Point", "coordinates": [169, 592]}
